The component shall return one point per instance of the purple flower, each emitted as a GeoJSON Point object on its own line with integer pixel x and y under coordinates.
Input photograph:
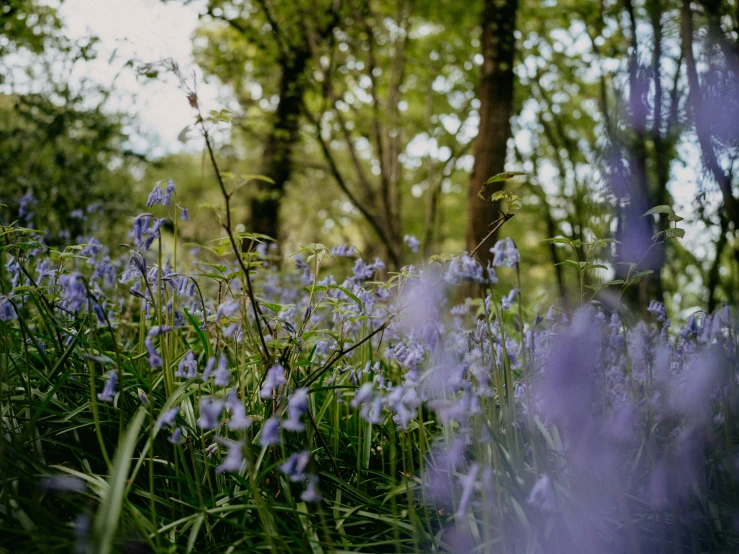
{"type": "Point", "coordinates": [142, 396]}
{"type": "Point", "coordinates": [63, 483]}
{"type": "Point", "coordinates": [227, 309]}
{"type": "Point", "coordinates": [310, 494]}
{"type": "Point", "coordinates": [176, 436]}
{"type": "Point", "coordinates": [99, 313]}
{"type": "Point", "coordinates": [658, 309]}
{"type": "Point", "coordinates": [27, 200]}
{"type": "Point", "coordinates": [506, 301]}
{"type": "Point", "coordinates": [343, 251]}
{"type": "Point", "coordinates": [210, 411]}
{"type": "Point", "coordinates": [167, 418]}
{"type": "Point", "coordinates": [185, 214]}
{"type": "Point", "coordinates": [238, 420]}
{"type": "Point", "coordinates": [211, 363]}
{"type": "Point", "coordinates": [168, 192]}
{"type": "Point", "coordinates": [505, 253]}
{"type": "Point", "coordinates": [363, 395]}
{"type": "Point", "coordinates": [234, 457]}
{"type": "Point", "coordinates": [542, 495]}
{"type": "Point", "coordinates": [155, 196]}
{"type": "Point", "coordinates": [294, 467]}
{"type": "Point", "coordinates": [412, 243]}
{"type": "Point", "coordinates": [154, 359]}
{"type": "Point", "coordinates": [296, 407]}
{"type": "Point", "coordinates": [275, 378]}
{"type": "Point", "coordinates": [74, 292]}
{"type": "Point", "coordinates": [464, 269]}
{"type": "Point", "coordinates": [109, 390]}
{"type": "Point", "coordinates": [270, 432]}
{"type": "Point", "coordinates": [7, 312]}
{"type": "Point", "coordinates": [222, 374]}
{"type": "Point", "coordinates": [188, 366]}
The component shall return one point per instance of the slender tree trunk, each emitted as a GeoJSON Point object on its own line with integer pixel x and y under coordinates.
{"type": "Point", "coordinates": [283, 136]}
{"type": "Point", "coordinates": [496, 106]}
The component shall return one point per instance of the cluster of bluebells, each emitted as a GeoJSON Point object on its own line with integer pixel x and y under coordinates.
{"type": "Point", "coordinates": [607, 387]}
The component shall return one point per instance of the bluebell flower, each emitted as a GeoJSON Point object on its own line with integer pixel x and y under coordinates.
{"type": "Point", "coordinates": [188, 366]}
{"type": "Point", "coordinates": [725, 315]}
{"type": "Point", "coordinates": [275, 378]}
{"type": "Point", "coordinates": [153, 231]}
{"type": "Point", "coordinates": [176, 436]}
{"type": "Point", "coordinates": [492, 277]}
{"type": "Point", "coordinates": [81, 527]}
{"type": "Point", "coordinates": [210, 411]}
{"type": "Point", "coordinates": [238, 420]}
{"type": "Point", "coordinates": [7, 312]}
{"type": "Point", "coordinates": [464, 269]}
{"type": "Point", "coordinates": [404, 413]}
{"type": "Point", "coordinates": [167, 418]}
{"type": "Point", "coordinates": [230, 331]}
{"type": "Point", "coordinates": [658, 309]}
{"type": "Point", "coordinates": [155, 196]}
{"type": "Point", "coordinates": [109, 389]}
{"type": "Point", "coordinates": [143, 397]}
{"type": "Point", "coordinates": [24, 208]}
{"type": "Point", "coordinates": [542, 495]}
{"type": "Point", "coordinates": [343, 250]}
{"type": "Point", "coordinates": [311, 494]}
{"type": "Point", "coordinates": [44, 270]}
{"type": "Point", "coordinates": [222, 375]}
{"type": "Point", "coordinates": [294, 467]}
{"type": "Point", "coordinates": [74, 292]}
{"type": "Point", "coordinates": [185, 216]}
{"type": "Point", "coordinates": [227, 309]}
{"type": "Point", "coordinates": [168, 192]}
{"type": "Point", "coordinates": [209, 366]}
{"type": "Point", "coordinates": [99, 314]}
{"type": "Point", "coordinates": [505, 253]}
{"type": "Point", "coordinates": [155, 359]}
{"type": "Point", "coordinates": [412, 243]}
{"type": "Point", "coordinates": [506, 301]}
{"type": "Point", "coordinates": [63, 483]}
{"type": "Point", "coordinates": [270, 432]}
{"type": "Point", "coordinates": [234, 457]}
{"type": "Point", "coordinates": [296, 407]}
{"type": "Point", "coordinates": [363, 395]}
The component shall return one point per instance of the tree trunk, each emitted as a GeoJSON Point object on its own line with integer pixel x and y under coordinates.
{"type": "Point", "coordinates": [282, 138]}
{"type": "Point", "coordinates": [496, 106]}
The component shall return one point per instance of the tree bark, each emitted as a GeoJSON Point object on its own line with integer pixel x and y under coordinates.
{"type": "Point", "coordinates": [496, 106]}
{"type": "Point", "coordinates": [281, 140]}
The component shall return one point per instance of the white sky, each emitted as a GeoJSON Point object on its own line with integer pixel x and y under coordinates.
{"type": "Point", "coordinates": [147, 31]}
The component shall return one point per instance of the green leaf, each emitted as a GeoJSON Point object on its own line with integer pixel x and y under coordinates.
{"type": "Point", "coordinates": [558, 240]}
{"type": "Point", "coordinates": [182, 137]}
{"type": "Point", "coordinates": [662, 209]}
{"type": "Point", "coordinates": [109, 512]}
{"type": "Point", "coordinates": [505, 176]}
{"type": "Point", "coordinates": [570, 263]}
{"type": "Point", "coordinates": [675, 233]}
{"type": "Point", "coordinates": [196, 325]}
